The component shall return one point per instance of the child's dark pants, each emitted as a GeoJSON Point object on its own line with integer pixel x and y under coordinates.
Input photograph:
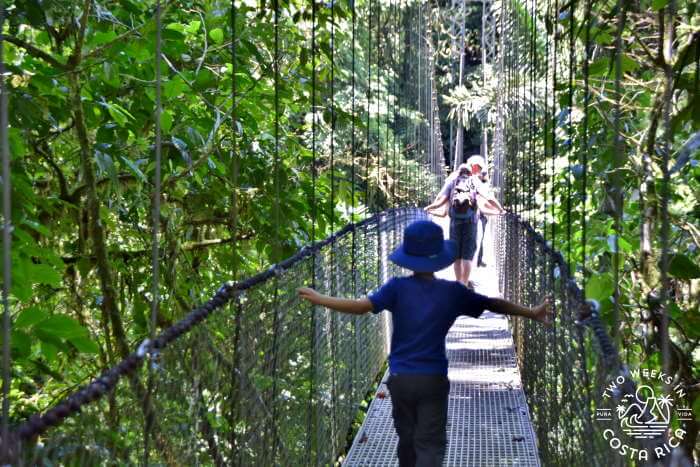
{"type": "Point", "coordinates": [420, 418]}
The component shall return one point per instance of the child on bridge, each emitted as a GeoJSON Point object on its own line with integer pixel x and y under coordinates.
{"type": "Point", "coordinates": [424, 308]}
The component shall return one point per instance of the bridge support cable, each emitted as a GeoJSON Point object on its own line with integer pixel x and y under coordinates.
{"type": "Point", "coordinates": [6, 248]}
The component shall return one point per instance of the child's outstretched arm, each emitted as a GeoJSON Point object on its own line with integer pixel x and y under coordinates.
{"type": "Point", "coordinates": [345, 305]}
{"type": "Point", "coordinates": [542, 312]}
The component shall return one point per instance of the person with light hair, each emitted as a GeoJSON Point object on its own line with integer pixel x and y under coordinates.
{"type": "Point", "coordinates": [466, 196]}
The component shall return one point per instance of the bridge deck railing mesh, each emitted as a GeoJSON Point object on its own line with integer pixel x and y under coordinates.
{"type": "Point", "coordinates": [564, 369]}
{"type": "Point", "coordinates": [265, 380]}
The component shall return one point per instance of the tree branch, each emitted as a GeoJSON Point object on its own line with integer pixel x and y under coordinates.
{"type": "Point", "coordinates": [36, 52]}
{"type": "Point", "coordinates": [44, 151]}
{"type": "Point", "coordinates": [76, 56]}
{"type": "Point", "coordinates": [188, 246]}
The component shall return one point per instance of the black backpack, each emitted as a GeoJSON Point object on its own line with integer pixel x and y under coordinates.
{"type": "Point", "coordinates": [463, 197]}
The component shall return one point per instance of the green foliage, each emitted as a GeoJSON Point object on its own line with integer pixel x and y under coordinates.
{"type": "Point", "coordinates": [569, 130]}
{"type": "Point", "coordinates": [243, 185]}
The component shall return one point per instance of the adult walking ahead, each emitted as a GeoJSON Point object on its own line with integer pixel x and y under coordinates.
{"type": "Point", "coordinates": [466, 196]}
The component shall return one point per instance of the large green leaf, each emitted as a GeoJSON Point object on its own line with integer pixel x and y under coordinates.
{"type": "Point", "coordinates": [20, 344]}
{"type": "Point", "coordinates": [30, 317]}
{"type": "Point", "coordinates": [63, 327]}
{"type": "Point", "coordinates": [599, 67]}
{"type": "Point", "coordinates": [600, 287]}
{"type": "Point", "coordinates": [658, 4]}
{"type": "Point", "coordinates": [217, 35]}
{"type": "Point", "coordinates": [85, 344]}
{"type": "Point", "coordinates": [682, 267]}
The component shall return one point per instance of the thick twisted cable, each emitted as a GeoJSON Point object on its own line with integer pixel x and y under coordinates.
{"type": "Point", "coordinates": [38, 424]}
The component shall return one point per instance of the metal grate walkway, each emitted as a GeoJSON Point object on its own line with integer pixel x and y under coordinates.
{"type": "Point", "coordinates": [488, 422]}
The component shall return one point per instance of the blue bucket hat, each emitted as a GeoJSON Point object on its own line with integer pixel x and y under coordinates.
{"type": "Point", "coordinates": [424, 248]}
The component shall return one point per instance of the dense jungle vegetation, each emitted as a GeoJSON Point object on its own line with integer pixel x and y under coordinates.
{"type": "Point", "coordinates": [81, 87]}
{"type": "Point", "coordinates": [601, 116]}
{"type": "Point", "coordinates": [81, 83]}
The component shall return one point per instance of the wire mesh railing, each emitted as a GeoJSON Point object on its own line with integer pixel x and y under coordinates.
{"type": "Point", "coordinates": [265, 380]}
{"type": "Point", "coordinates": [566, 371]}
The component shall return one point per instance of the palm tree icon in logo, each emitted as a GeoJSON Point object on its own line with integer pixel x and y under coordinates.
{"type": "Point", "coordinates": [644, 415]}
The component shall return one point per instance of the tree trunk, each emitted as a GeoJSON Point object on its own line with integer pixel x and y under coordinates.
{"type": "Point", "coordinates": [110, 311]}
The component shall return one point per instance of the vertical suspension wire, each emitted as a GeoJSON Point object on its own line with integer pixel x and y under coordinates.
{"type": "Point", "coordinates": [546, 120]}
{"type": "Point", "coordinates": [276, 162]}
{"type": "Point", "coordinates": [353, 260]}
{"type": "Point", "coordinates": [369, 107]}
{"type": "Point", "coordinates": [506, 104]}
{"type": "Point", "coordinates": [417, 99]}
{"type": "Point", "coordinates": [667, 145]}
{"type": "Point", "coordinates": [398, 82]}
{"type": "Point", "coordinates": [409, 99]}
{"type": "Point", "coordinates": [387, 77]}
{"type": "Point", "coordinates": [517, 191]}
{"type": "Point", "coordinates": [553, 201]}
{"type": "Point", "coordinates": [531, 114]}
{"type": "Point", "coordinates": [332, 89]}
{"type": "Point", "coordinates": [381, 154]}
{"type": "Point", "coordinates": [584, 146]}
{"type": "Point", "coordinates": [313, 134]}
{"type": "Point", "coordinates": [311, 422]}
{"type": "Point", "coordinates": [526, 86]}
{"type": "Point", "coordinates": [428, 100]}
{"type": "Point", "coordinates": [401, 100]}
{"type": "Point", "coordinates": [497, 179]}
{"type": "Point", "coordinates": [155, 213]}
{"type": "Point", "coordinates": [515, 98]}
{"type": "Point", "coordinates": [570, 141]}
{"type": "Point", "coordinates": [519, 183]}
{"type": "Point", "coordinates": [394, 76]}
{"type": "Point", "coordinates": [235, 163]}
{"type": "Point", "coordinates": [421, 96]}
{"type": "Point", "coordinates": [428, 107]}
{"type": "Point", "coordinates": [277, 250]}
{"type": "Point", "coordinates": [425, 18]}
{"type": "Point", "coordinates": [352, 126]}
{"type": "Point", "coordinates": [235, 156]}
{"type": "Point", "coordinates": [584, 178]}
{"type": "Point", "coordinates": [513, 156]}
{"type": "Point", "coordinates": [555, 121]}
{"type": "Point", "coordinates": [534, 165]}
{"type": "Point", "coordinates": [546, 274]}
{"type": "Point", "coordinates": [6, 243]}
{"type": "Point", "coordinates": [619, 160]}
{"type": "Point", "coordinates": [426, 97]}
{"type": "Point", "coordinates": [155, 232]}
{"type": "Point", "coordinates": [537, 65]}
{"type": "Point", "coordinates": [365, 250]}
{"type": "Point", "coordinates": [422, 109]}
{"type": "Point", "coordinates": [334, 316]}
{"type": "Point", "coordinates": [508, 70]}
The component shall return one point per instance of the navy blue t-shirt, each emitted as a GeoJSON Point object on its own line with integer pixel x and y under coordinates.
{"type": "Point", "coordinates": [423, 312]}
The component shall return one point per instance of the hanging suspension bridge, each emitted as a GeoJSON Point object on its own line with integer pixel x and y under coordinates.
{"type": "Point", "coordinates": [255, 376]}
